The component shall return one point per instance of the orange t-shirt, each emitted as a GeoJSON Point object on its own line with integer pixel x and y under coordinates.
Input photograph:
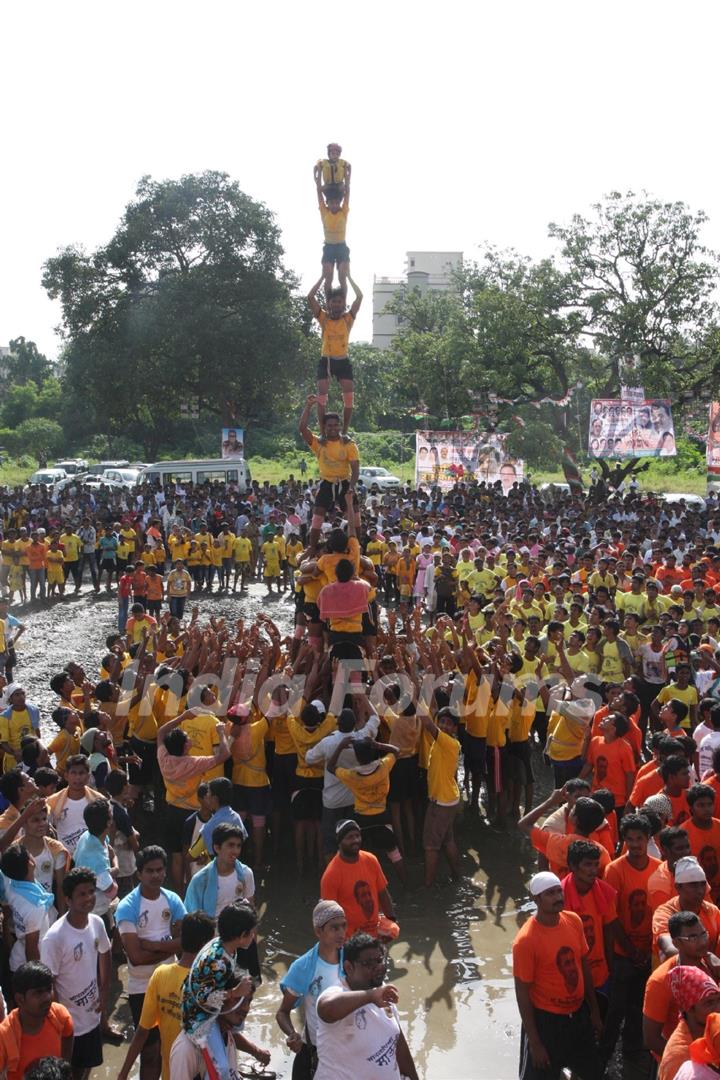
{"type": "Point", "coordinates": [661, 886]}
{"type": "Point", "coordinates": [680, 809]}
{"type": "Point", "coordinates": [356, 887]}
{"type": "Point", "coordinates": [554, 847]}
{"type": "Point", "coordinates": [36, 556]}
{"type": "Point", "coordinates": [634, 735]}
{"type": "Point", "coordinates": [46, 1042]}
{"type": "Point", "coordinates": [606, 835]}
{"type": "Point", "coordinates": [645, 787]}
{"type": "Point", "coordinates": [610, 762]}
{"type": "Point", "coordinates": [659, 1004]}
{"type": "Point", "coordinates": [649, 767]}
{"type": "Point", "coordinates": [709, 916]}
{"type": "Point", "coordinates": [705, 846]}
{"type": "Point", "coordinates": [154, 589]}
{"type": "Point", "coordinates": [633, 904]}
{"type": "Point", "coordinates": [593, 921]}
{"type": "Point", "coordinates": [549, 959]}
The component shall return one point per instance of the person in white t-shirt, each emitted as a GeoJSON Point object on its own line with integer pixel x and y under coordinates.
{"type": "Point", "coordinates": [710, 742]}
{"type": "Point", "coordinates": [30, 905]}
{"type": "Point", "coordinates": [149, 921]}
{"type": "Point", "coordinates": [66, 806]}
{"type": "Point", "coordinates": [76, 948]}
{"type": "Point", "coordinates": [358, 1030]}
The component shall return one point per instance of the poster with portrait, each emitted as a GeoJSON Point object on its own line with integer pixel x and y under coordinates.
{"type": "Point", "coordinates": [449, 457]}
{"type": "Point", "coordinates": [232, 443]}
{"type": "Point", "coordinates": [623, 429]}
{"type": "Point", "coordinates": [713, 448]}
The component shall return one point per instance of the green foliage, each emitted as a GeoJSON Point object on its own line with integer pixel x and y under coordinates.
{"type": "Point", "coordinates": [40, 437]}
{"type": "Point", "coordinates": [26, 363]}
{"type": "Point", "coordinates": [537, 443]}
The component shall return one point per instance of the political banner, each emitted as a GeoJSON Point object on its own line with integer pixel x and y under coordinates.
{"type": "Point", "coordinates": [713, 448]}
{"type": "Point", "coordinates": [232, 443]}
{"type": "Point", "coordinates": [449, 457]}
{"type": "Point", "coordinates": [629, 429]}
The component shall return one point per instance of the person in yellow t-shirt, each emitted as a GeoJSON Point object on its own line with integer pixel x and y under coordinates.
{"type": "Point", "coordinates": [242, 552]}
{"type": "Point", "coordinates": [333, 169]}
{"type": "Point", "coordinates": [227, 539]}
{"type": "Point", "coordinates": [443, 794]}
{"type": "Point", "coordinates": [271, 564]}
{"type": "Point", "coordinates": [339, 466]}
{"type": "Point", "coordinates": [334, 206]}
{"type": "Point", "coordinates": [369, 782]}
{"type": "Point", "coordinates": [336, 323]}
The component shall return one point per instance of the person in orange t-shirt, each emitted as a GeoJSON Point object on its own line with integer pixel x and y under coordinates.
{"type": "Point", "coordinates": [594, 901]}
{"type": "Point", "coordinates": [610, 760]}
{"type": "Point", "coordinates": [691, 885]}
{"type": "Point", "coordinates": [704, 832]}
{"type": "Point", "coordinates": [585, 816]}
{"type": "Point", "coordinates": [552, 983]}
{"type": "Point", "coordinates": [629, 876]}
{"type": "Point", "coordinates": [354, 878]}
{"type": "Point", "coordinates": [674, 845]}
{"type": "Point", "coordinates": [675, 772]}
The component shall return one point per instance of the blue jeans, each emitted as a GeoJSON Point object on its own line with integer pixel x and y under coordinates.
{"type": "Point", "coordinates": [177, 606]}
{"type": "Point", "coordinates": [37, 580]}
{"type": "Point", "coordinates": [123, 604]}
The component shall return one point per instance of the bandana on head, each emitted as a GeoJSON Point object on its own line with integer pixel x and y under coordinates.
{"type": "Point", "coordinates": [689, 985]}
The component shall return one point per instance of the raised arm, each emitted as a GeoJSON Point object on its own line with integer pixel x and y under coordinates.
{"type": "Point", "coordinates": [312, 298]}
{"type": "Point", "coordinates": [305, 416]}
{"type": "Point", "coordinates": [358, 298]}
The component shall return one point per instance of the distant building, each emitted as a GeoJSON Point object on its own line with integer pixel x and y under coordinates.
{"type": "Point", "coordinates": [423, 270]}
{"type": "Point", "coordinates": [4, 355]}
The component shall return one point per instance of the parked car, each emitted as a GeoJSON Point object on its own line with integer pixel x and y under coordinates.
{"type": "Point", "coordinates": [72, 466]}
{"type": "Point", "coordinates": [380, 478]}
{"type": "Point", "coordinates": [126, 478]}
{"type": "Point", "coordinates": [695, 501]}
{"type": "Point", "coordinates": [49, 477]}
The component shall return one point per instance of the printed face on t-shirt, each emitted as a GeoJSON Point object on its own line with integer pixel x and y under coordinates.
{"type": "Point", "coordinates": [364, 897]}
{"type": "Point", "coordinates": [567, 966]}
{"type": "Point", "coordinates": [637, 906]}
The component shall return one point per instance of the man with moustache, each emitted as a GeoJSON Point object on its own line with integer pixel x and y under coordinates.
{"type": "Point", "coordinates": [554, 989]}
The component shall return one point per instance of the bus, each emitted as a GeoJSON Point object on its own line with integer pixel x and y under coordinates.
{"type": "Point", "coordinates": [196, 471]}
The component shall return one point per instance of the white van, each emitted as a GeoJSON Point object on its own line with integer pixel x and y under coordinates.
{"type": "Point", "coordinates": [209, 470]}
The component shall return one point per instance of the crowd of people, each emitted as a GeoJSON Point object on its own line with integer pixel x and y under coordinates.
{"type": "Point", "coordinates": [431, 648]}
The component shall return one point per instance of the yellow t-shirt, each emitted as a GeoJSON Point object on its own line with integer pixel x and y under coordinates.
{"type": "Point", "coordinates": [334, 457]}
{"type": "Point", "coordinates": [12, 730]}
{"type": "Point", "coordinates": [442, 767]}
{"type": "Point", "coordinates": [326, 564]}
{"type": "Point", "coordinates": [334, 223]}
{"type": "Point", "coordinates": [228, 542]}
{"type": "Point", "coordinates": [370, 790]}
{"type": "Point", "coordinates": [293, 551]}
{"type": "Point", "coordinates": [252, 771]}
{"type": "Point", "coordinates": [72, 546]}
{"type": "Point", "coordinates": [335, 334]}
{"type": "Point", "coordinates": [242, 549]}
{"type": "Point", "coordinates": [375, 549]}
{"type": "Point", "coordinates": [204, 741]}
{"type": "Point", "coordinates": [162, 1007]}
{"type": "Point", "coordinates": [129, 538]}
{"type": "Point", "coordinates": [271, 554]}
{"type": "Point", "coordinates": [63, 746]}
{"type": "Point", "coordinates": [333, 172]}
{"type": "Point", "coordinates": [305, 739]}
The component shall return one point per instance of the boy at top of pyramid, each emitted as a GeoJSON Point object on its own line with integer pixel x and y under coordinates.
{"type": "Point", "coordinates": [333, 170]}
{"type": "Point", "coordinates": [334, 206]}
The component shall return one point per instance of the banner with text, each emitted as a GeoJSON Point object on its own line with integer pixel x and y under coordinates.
{"type": "Point", "coordinates": [631, 429]}
{"type": "Point", "coordinates": [449, 457]}
{"type": "Point", "coordinates": [713, 447]}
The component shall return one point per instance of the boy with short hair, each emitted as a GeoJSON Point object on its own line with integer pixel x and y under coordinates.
{"type": "Point", "coordinates": [336, 322]}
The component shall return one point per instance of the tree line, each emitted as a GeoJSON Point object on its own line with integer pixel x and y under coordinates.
{"type": "Point", "coordinates": [188, 319]}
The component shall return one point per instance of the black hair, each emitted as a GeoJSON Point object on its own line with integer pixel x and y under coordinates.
{"type": "Point", "coordinates": [365, 751]}
{"type": "Point", "coordinates": [448, 714]}
{"type": "Point", "coordinates": [60, 715]}
{"type": "Point", "coordinates": [97, 816]}
{"type": "Point", "coordinates": [226, 831]}
{"type": "Point", "coordinates": [79, 875]}
{"type": "Point", "coordinates": [115, 782]}
{"type": "Point", "coordinates": [636, 823]}
{"type": "Point", "coordinates": [10, 784]}
{"type": "Point", "coordinates": [235, 920]}
{"type": "Point", "coordinates": [679, 708]}
{"type": "Point", "coordinates": [621, 723]}
{"type": "Point", "coordinates": [44, 776]}
{"type": "Point", "coordinates": [357, 944]}
{"type": "Point", "coordinates": [15, 862]}
{"type": "Point", "coordinates": [576, 784]}
{"type": "Point", "coordinates": [150, 854]}
{"type": "Point", "coordinates": [606, 799]}
{"type": "Point", "coordinates": [222, 789]}
{"type": "Point", "coordinates": [346, 721]}
{"type": "Point", "coordinates": [32, 976]}
{"type": "Point", "coordinates": [699, 791]}
{"type": "Point", "coordinates": [669, 835]}
{"type": "Point", "coordinates": [681, 920]}
{"type": "Point", "coordinates": [78, 761]}
{"type": "Point", "coordinates": [58, 681]}
{"type": "Point", "coordinates": [589, 815]}
{"type": "Point", "coordinates": [715, 715]}
{"type": "Point", "coordinates": [344, 570]}
{"type": "Point", "coordinates": [580, 851]}
{"type": "Point", "coordinates": [673, 765]}
{"type": "Point", "coordinates": [103, 691]}
{"type": "Point", "coordinates": [196, 929]}
{"type": "Point", "coordinates": [668, 745]}
{"type": "Point", "coordinates": [176, 741]}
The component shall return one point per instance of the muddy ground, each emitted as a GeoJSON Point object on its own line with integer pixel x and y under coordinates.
{"type": "Point", "coordinates": [452, 962]}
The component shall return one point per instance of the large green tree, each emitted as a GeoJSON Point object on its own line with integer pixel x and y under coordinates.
{"type": "Point", "coordinates": [188, 303]}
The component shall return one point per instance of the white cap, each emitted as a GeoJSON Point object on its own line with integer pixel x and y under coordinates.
{"type": "Point", "coordinates": [543, 881]}
{"type": "Point", "coordinates": [319, 705]}
{"type": "Point", "coordinates": [688, 869]}
{"type": "Point", "coordinates": [11, 689]}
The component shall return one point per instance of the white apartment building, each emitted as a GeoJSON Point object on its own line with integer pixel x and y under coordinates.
{"type": "Point", "coordinates": [423, 270]}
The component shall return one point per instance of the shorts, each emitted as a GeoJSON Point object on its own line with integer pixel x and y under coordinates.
{"type": "Point", "coordinates": [107, 566]}
{"type": "Point", "coordinates": [87, 1049]}
{"type": "Point", "coordinates": [255, 801]}
{"type": "Point", "coordinates": [312, 611]}
{"type": "Point", "coordinates": [336, 253]}
{"type": "Point", "coordinates": [474, 753]}
{"type": "Point", "coordinates": [377, 832]}
{"type": "Point", "coordinates": [136, 1002]}
{"type": "Point", "coordinates": [147, 752]}
{"type": "Point", "coordinates": [331, 816]}
{"type": "Point", "coordinates": [520, 762]}
{"type": "Point", "coordinates": [306, 800]}
{"type": "Point", "coordinates": [334, 367]}
{"type": "Point", "coordinates": [174, 818]}
{"type": "Point", "coordinates": [331, 493]}
{"type": "Point", "coordinates": [403, 779]}
{"type": "Point", "coordinates": [370, 620]}
{"type": "Point", "coordinates": [227, 565]}
{"type": "Point", "coordinates": [284, 780]}
{"type": "Point", "coordinates": [438, 826]}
